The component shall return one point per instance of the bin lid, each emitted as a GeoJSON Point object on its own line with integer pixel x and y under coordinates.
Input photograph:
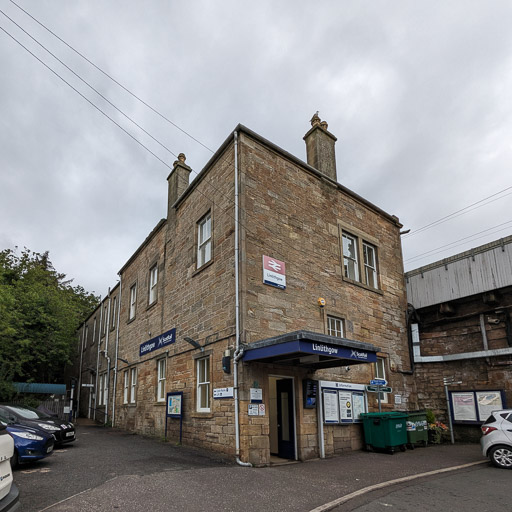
{"type": "Point", "coordinates": [384, 415]}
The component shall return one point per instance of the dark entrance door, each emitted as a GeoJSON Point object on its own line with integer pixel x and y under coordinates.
{"type": "Point", "coordinates": [285, 419]}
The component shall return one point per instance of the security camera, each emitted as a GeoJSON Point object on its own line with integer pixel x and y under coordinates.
{"type": "Point", "coordinates": [347, 368]}
{"type": "Point", "coordinates": [494, 321]}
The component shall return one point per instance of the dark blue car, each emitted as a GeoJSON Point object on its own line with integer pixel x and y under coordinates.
{"type": "Point", "coordinates": [29, 443]}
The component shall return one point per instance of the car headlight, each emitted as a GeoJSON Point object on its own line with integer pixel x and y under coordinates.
{"type": "Point", "coordinates": [48, 427]}
{"type": "Point", "coordinates": [27, 435]}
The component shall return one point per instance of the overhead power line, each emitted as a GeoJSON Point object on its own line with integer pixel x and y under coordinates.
{"type": "Point", "coordinates": [460, 212]}
{"type": "Point", "coordinates": [153, 109]}
{"type": "Point", "coordinates": [456, 243]}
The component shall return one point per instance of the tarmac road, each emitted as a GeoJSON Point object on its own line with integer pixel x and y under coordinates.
{"type": "Point", "coordinates": [108, 469]}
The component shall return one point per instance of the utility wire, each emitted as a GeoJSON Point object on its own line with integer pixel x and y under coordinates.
{"type": "Point", "coordinates": [458, 213]}
{"type": "Point", "coordinates": [455, 243]}
{"type": "Point", "coordinates": [112, 78]}
{"type": "Point", "coordinates": [264, 226]}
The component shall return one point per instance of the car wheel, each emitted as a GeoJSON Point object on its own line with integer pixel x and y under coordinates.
{"type": "Point", "coordinates": [501, 456]}
{"type": "Point", "coordinates": [14, 460]}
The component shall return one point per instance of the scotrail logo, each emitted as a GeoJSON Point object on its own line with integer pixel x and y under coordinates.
{"type": "Point", "coordinates": [358, 355]}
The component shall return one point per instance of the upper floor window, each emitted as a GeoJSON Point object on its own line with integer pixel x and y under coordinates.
{"type": "Point", "coordinates": [370, 264]}
{"type": "Point", "coordinates": [94, 332]}
{"type": "Point", "coordinates": [359, 260]}
{"type": "Point", "coordinates": [86, 335]}
{"type": "Point", "coordinates": [335, 327]}
{"type": "Point", "coordinates": [153, 281]}
{"type": "Point", "coordinates": [105, 320]}
{"type": "Point", "coordinates": [203, 384]}
{"type": "Point", "coordinates": [133, 301]}
{"type": "Point", "coordinates": [204, 240]}
{"type": "Point", "coordinates": [350, 257]}
{"type": "Point", "coordinates": [114, 310]}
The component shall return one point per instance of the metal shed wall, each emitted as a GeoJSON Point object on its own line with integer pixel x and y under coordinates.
{"type": "Point", "coordinates": [485, 268]}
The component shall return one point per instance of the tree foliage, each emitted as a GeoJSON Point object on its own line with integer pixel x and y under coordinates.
{"type": "Point", "coordinates": [40, 312]}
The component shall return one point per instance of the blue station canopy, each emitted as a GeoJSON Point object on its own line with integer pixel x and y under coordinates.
{"type": "Point", "coordinates": [310, 350]}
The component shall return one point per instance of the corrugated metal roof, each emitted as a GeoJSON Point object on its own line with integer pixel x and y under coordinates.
{"type": "Point", "coordinates": [482, 269]}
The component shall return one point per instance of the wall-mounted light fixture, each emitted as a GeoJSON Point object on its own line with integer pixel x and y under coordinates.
{"type": "Point", "coordinates": [194, 343]}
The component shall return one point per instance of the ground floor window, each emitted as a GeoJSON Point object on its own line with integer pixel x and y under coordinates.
{"type": "Point", "coordinates": [203, 384]}
{"type": "Point", "coordinates": [160, 396]}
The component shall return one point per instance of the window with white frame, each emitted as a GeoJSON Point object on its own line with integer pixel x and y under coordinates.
{"type": "Point", "coordinates": [133, 301]}
{"type": "Point", "coordinates": [103, 391]}
{"type": "Point", "coordinates": [126, 386]}
{"type": "Point", "coordinates": [153, 281]}
{"type": "Point", "coordinates": [113, 315]}
{"type": "Point", "coordinates": [86, 335]}
{"type": "Point", "coordinates": [380, 373]}
{"type": "Point", "coordinates": [204, 240]}
{"type": "Point", "coordinates": [359, 260]}
{"type": "Point", "coordinates": [133, 385]}
{"type": "Point", "coordinates": [129, 386]}
{"type": "Point", "coordinates": [335, 327]}
{"type": "Point", "coordinates": [203, 384]}
{"type": "Point", "coordinates": [160, 394]}
{"type": "Point", "coordinates": [370, 264]}
{"type": "Point", "coordinates": [350, 257]}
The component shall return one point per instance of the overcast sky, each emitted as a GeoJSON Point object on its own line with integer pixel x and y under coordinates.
{"type": "Point", "coordinates": [418, 94]}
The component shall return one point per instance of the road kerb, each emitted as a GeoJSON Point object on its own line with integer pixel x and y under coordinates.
{"type": "Point", "coordinates": [374, 487]}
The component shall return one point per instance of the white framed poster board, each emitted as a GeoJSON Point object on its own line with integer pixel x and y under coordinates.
{"type": "Point", "coordinates": [464, 406]}
{"type": "Point", "coordinates": [358, 405]}
{"type": "Point", "coordinates": [331, 412]}
{"type": "Point", "coordinates": [488, 401]}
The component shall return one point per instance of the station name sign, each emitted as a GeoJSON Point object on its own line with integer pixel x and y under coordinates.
{"type": "Point", "coordinates": [343, 352]}
{"type": "Point", "coordinates": [274, 272]}
{"type": "Point", "coordinates": [157, 342]}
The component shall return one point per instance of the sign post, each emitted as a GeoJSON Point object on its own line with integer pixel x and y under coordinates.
{"type": "Point", "coordinates": [174, 409]}
{"type": "Point", "coordinates": [379, 386]}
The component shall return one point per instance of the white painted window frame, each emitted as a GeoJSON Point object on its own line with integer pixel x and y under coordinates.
{"type": "Point", "coordinates": [204, 240]}
{"type": "Point", "coordinates": [153, 283]}
{"type": "Point", "coordinates": [335, 326]}
{"type": "Point", "coordinates": [133, 301]}
{"type": "Point", "coordinates": [133, 385]}
{"type": "Point", "coordinates": [203, 371]}
{"type": "Point", "coordinates": [161, 370]}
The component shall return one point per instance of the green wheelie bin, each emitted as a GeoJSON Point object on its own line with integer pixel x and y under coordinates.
{"type": "Point", "coordinates": [385, 431]}
{"type": "Point", "coordinates": [417, 429]}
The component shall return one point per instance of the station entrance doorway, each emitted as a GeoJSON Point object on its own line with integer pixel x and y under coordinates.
{"type": "Point", "coordinates": [282, 417]}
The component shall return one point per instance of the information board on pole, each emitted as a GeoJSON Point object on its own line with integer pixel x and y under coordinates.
{"type": "Point", "coordinates": [475, 406]}
{"type": "Point", "coordinates": [174, 409]}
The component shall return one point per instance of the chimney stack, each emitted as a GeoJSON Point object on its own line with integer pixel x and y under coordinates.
{"type": "Point", "coordinates": [320, 148]}
{"type": "Point", "coordinates": [178, 181]}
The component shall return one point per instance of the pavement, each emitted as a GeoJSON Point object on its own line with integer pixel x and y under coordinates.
{"type": "Point", "coordinates": [184, 478]}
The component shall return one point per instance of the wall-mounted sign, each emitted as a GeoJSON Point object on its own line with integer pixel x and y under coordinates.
{"type": "Point", "coordinates": [464, 406]}
{"type": "Point", "coordinates": [343, 401]}
{"type": "Point", "coordinates": [253, 410]}
{"type": "Point", "coordinates": [223, 393]}
{"type": "Point", "coordinates": [157, 342]}
{"type": "Point", "coordinates": [309, 392]}
{"type": "Point", "coordinates": [256, 395]}
{"type": "Point", "coordinates": [261, 409]}
{"type": "Point", "coordinates": [274, 272]}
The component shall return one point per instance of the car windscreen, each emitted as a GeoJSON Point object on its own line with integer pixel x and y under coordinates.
{"type": "Point", "coordinates": [25, 412]}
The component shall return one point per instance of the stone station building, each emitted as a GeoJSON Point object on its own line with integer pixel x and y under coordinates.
{"type": "Point", "coordinates": [268, 298]}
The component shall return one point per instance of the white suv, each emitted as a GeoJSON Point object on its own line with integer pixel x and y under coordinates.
{"type": "Point", "coordinates": [496, 441]}
{"type": "Point", "coordinates": [8, 491]}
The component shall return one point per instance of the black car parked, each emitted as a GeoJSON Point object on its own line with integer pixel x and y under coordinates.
{"type": "Point", "coordinates": [62, 431]}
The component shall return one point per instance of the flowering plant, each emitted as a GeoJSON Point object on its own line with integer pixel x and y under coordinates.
{"type": "Point", "coordinates": [435, 431]}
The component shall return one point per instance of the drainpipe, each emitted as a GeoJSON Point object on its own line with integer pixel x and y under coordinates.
{"type": "Point", "coordinates": [97, 363]}
{"type": "Point", "coordinates": [117, 350]}
{"type": "Point", "coordinates": [105, 353]}
{"type": "Point", "coordinates": [238, 350]}
{"type": "Point", "coordinates": [79, 375]}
